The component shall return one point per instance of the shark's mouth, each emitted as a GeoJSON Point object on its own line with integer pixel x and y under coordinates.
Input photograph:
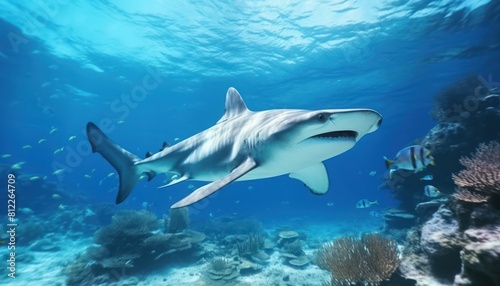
{"type": "Point", "coordinates": [338, 134]}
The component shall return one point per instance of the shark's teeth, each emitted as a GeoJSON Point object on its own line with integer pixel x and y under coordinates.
{"type": "Point", "coordinates": [338, 134]}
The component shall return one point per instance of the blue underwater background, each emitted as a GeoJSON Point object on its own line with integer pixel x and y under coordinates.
{"type": "Point", "coordinates": [155, 71]}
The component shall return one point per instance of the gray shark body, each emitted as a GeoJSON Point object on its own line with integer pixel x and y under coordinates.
{"type": "Point", "coordinates": [245, 145]}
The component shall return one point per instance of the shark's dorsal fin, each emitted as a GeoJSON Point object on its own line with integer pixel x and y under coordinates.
{"type": "Point", "coordinates": [314, 177]}
{"type": "Point", "coordinates": [235, 106]}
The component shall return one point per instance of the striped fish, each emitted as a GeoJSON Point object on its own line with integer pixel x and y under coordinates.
{"type": "Point", "coordinates": [413, 158]}
{"type": "Point", "coordinates": [362, 204]}
{"type": "Point", "coordinates": [431, 191]}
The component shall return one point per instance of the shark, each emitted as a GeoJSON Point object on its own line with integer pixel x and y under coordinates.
{"type": "Point", "coordinates": [244, 145]}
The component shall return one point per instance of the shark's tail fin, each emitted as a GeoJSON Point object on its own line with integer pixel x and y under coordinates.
{"type": "Point", "coordinates": [121, 159]}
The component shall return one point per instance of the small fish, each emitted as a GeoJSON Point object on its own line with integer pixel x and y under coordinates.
{"type": "Point", "coordinates": [250, 187]}
{"type": "Point", "coordinates": [27, 147]}
{"type": "Point", "coordinates": [373, 173]}
{"type": "Point", "coordinates": [41, 141]}
{"type": "Point", "coordinates": [57, 151]}
{"type": "Point", "coordinates": [427, 178]}
{"type": "Point", "coordinates": [236, 202]}
{"type": "Point", "coordinates": [52, 130]}
{"type": "Point", "coordinates": [87, 176]}
{"type": "Point", "coordinates": [35, 178]}
{"type": "Point", "coordinates": [17, 166]}
{"type": "Point", "coordinates": [120, 122]}
{"type": "Point", "coordinates": [329, 204]}
{"type": "Point", "coordinates": [365, 204]}
{"type": "Point", "coordinates": [71, 138]}
{"type": "Point", "coordinates": [431, 191]}
{"type": "Point", "coordinates": [413, 158]}
{"type": "Point", "coordinates": [93, 170]}
{"type": "Point", "coordinates": [56, 196]}
{"type": "Point", "coordinates": [190, 187]}
{"type": "Point", "coordinates": [5, 156]}
{"type": "Point", "coordinates": [58, 172]}
{"type": "Point", "coordinates": [61, 207]}
{"type": "Point", "coordinates": [375, 214]}
{"type": "Point", "coordinates": [177, 139]}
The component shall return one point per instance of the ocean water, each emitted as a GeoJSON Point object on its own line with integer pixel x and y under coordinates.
{"type": "Point", "coordinates": [158, 71]}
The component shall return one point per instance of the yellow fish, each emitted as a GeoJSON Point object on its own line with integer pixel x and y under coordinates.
{"type": "Point", "coordinates": [5, 156]}
{"type": "Point", "coordinates": [17, 166]}
{"type": "Point", "coordinates": [27, 147]}
{"type": "Point", "coordinates": [59, 150]}
{"type": "Point", "coordinates": [56, 196]}
{"type": "Point", "coordinates": [41, 141]}
{"type": "Point", "coordinates": [52, 130]}
{"type": "Point", "coordinates": [72, 138]}
{"type": "Point", "coordinates": [58, 171]}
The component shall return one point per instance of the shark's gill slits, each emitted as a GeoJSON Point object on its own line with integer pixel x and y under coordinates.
{"type": "Point", "coordinates": [338, 134]}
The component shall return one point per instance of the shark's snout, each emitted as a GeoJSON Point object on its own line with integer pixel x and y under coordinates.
{"type": "Point", "coordinates": [378, 121]}
{"type": "Point", "coordinates": [361, 121]}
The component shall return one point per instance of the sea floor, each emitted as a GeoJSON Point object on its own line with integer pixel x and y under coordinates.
{"type": "Point", "coordinates": [40, 266]}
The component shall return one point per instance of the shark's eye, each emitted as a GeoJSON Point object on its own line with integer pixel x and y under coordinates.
{"type": "Point", "coordinates": [321, 117]}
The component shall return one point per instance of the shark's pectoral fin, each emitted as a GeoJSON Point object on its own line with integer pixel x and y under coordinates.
{"type": "Point", "coordinates": [314, 177]}
{"type": "Point", "coordinates": [214, 186]}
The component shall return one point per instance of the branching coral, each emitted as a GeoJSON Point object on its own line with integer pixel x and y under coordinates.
{"type": "Point", "coordinates": [466, 195]}
{"type": "Point", "coordinates": [178, 220]}
{"type": "Point", "coordinates": [128, 229]}
{"type": "Point", "coordinates": [482, 170]}
{"type": "Point", "coordinates": [251, 245]}
{"type": "Point", "coordinates": [369, 260]}
{"type": "Point", "coordinates": [293, 248]}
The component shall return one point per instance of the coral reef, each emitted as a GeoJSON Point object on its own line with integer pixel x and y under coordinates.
{"type": "Point", "coordinates": [128, 229]}
{"type": "Point", "coordinates": [370, 259]}
{"type": "Point", "coordinates": [222, 269]}
{"type": "Point", "coordinates": [293, 254]}
{"type": "Point", "coordinates": [252, 247]}
{"type": "Point", "coordinates": [481, 177]}
{"type": "Point", "coordinates": [459, 245]}
{"type": "Point", "coordinates": [468, 114]}
{"type": "Point", "coordinates": [178, 220]}
{"type": "Point", "coordinates": [131, 243]}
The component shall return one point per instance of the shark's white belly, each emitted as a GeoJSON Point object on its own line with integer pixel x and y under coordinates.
{"type": "Point", "coordinates": [283, 161]}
